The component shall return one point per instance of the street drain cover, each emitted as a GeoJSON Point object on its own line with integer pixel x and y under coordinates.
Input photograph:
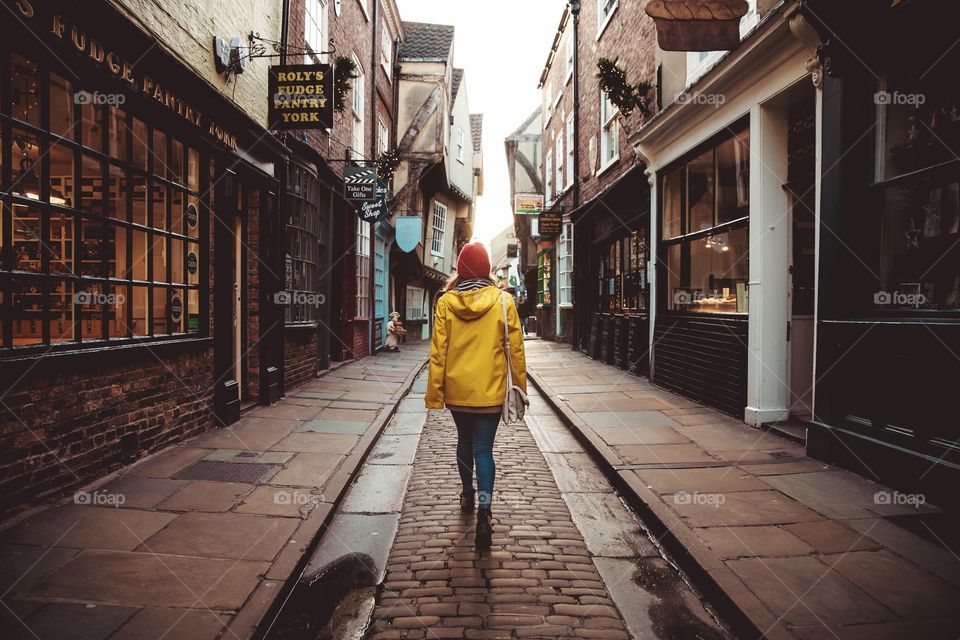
{"type": "Point", "coordinates": [217, 471]}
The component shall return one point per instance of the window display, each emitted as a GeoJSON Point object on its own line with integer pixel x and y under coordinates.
{"type": "Point", "coordinates": [90, 256]}
{"type": "Point", "coordinates": [704, 242]}
{"type": "Point", "coordinates": [303, 248]}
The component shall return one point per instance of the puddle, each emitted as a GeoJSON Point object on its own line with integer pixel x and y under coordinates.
{"type": "Point", "coordinates": [338, 600]}
{"type": "Point", "coordinates": [672, 616]}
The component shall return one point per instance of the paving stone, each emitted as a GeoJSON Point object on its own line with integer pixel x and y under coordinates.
{"type": "Point", "coordinates": [73, 622]}
{"type": "Point", "coordinates": [249, 434]}
{"type": "Point", "coordinates": [146, 579]}
{"type": "Point", "coordinates": [576, 472]}
{"type": "Point", "coordinates": [907, 590]}
{"type": "Point", "coordinates": [222, 535]}
{"type": "Point", "coordinates": [628, 419]}
{"type": "Point", "coordinates": [805, 591]}
{"type": "Point", "coordinates": [927, 629]}
{"type": "Point", "coordinates": [735, 436]}
{"type": "Point", "coordinates": [828, 536]}
{"type": "Point", "coordinates": [285, 502]}
{"type": "Point", "coordinates": [206, 495]}
{"type": "Point", "coordinates": [346, 415]}
{"type": "Point", "coordinates": [747, 542]}
{"type": "Point", "coordinates": [705, 480]}
{"type": "Point", "coordinates": [182, 624]}
{"type": "Point", "coordinates": [663, 453]}
{"type": "Point", "coordinates": [408, 423]}
{"type": "Point", "coordinates": [139, 492]}
{"type": "Point", "coordinates": [370, 535]}
{"type": "Point", "coordinates": [307, 470]}
{"type": "Point", "coordinates": [351, 427]}
{"type": "Point", "coordinates": [288, 411]}
{"type": "Point", "coordinates": [168, 462]}
{"type": "Point", "coordinates": [934, 558]}
{"type": "Point", "coordinates": [378, 489]}
{"type": "Point", "coordinates": [85, 527]}
{"type": "Point", "coordinates": [394, 449]}
{"type": "Point", "coordinates": [319, 442]}
{"type": "Point", "coordinates": [602, 519]}
{"type": "Point", "coordinates": [642, 435]}
{"type": "Point", "coordinates": [744, 508]}
{"type": "Point", "coordinates": [24, 565]}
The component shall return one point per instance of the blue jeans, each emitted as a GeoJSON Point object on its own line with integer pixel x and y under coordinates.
{"type": "Point", "coordinates": [475, 434]}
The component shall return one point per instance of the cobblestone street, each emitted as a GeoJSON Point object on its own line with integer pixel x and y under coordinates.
{"type": "Point", "coordinates": [541, 577]}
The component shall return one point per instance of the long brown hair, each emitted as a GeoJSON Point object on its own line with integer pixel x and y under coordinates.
{"type": "Point", "coordinates": [454, 281]}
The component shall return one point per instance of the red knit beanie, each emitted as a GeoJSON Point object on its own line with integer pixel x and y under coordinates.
{"type": "Point", "coordinates": [474, 261]}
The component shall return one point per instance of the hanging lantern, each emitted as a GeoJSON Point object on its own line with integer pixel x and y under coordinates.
{"type": "Point", "coordinates": [697, 25]}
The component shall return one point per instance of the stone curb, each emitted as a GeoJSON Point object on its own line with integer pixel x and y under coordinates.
{"type": "Point", "coordinates": [249, 621]}
{"type": "Point", "coordinates": [735, 602]}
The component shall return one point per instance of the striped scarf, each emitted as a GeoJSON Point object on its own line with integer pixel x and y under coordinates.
{"type": "Point", "coordinates": [472, 284]}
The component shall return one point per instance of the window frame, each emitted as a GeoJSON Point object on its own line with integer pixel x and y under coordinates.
{"type": "Point", "coordinates": [548, 175]}
{"type": "Point", "coordinates": [604, 17]}
{"type": "Point", "coordinates": [363, 270]}
{"type": "Point", "coordinates": [685, 238]}
{"type": "Point", "coordinates": [386, 51]}
{"type": "Point", "coordinates": [565, 266]}
{"type": "Point", "coordinates": [461, 143]}
{"type": "Point", "coordinates": [609, 126]}
{"type": "Point", "coordinates": [570, 149]}
{"type": "Point", "coordinates": [304, 197]}
{"type": "Point", "coordinates": [440, 212]}
{"type": "Point", "coordinates": [358, 105]}
{"type": "Point", "coordinates": [559, 158]}
{"type": "Point", "coordinates": [570, 51]}
{"type": "Point", "coordinates": [110, 214]}
{"type": "Point", "coordinates": [321, 31]}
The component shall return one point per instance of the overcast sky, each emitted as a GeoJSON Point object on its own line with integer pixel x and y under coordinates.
{"type": "Point", "coordinates": [502, 46]}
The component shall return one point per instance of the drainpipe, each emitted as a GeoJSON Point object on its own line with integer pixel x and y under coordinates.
{"type": "Point", "coordinates": [280, 241]}
{"type": "Point", "coordinates": [374, 50]}
{"type": "Point", "coordinates": [575, 11]}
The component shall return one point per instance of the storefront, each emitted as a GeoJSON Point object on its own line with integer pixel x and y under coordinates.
{"type": "Point", "coordinates": [888, 330]}
{"type": "Point", "coordinates": [733, 158]}
{"type": "Point", "coordinates": [119, 175]}
{"type": "Point", "coordinates": [614, 301]}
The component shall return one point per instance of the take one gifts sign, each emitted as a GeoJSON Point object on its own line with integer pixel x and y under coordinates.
{"type": "Point", "coordinates": [375, 210]}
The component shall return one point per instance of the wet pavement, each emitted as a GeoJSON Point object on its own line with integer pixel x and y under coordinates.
{"type": "Point", "coordinates": [568, 558]}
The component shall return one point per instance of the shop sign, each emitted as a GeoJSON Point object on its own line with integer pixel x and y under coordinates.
{"type": "Point", "coordinates": [192, 215]}
{"type": "Point", "coordinates": [176, 308]}
{"type": "Point", "coordinates": [70, 36]}
{"type": "Point", "coordinates": [301, 96]}
{"type": "Point", "coordinates": [408, 234]}
{"type": "Point", "coordinates": [359, 183]}
{"type": "Point", "coordinates": [375, 210]}
{"type": "Point", "coordinates": [192, 263]}
{"type": "Point", "coordinates": [527, 203]}
{"type": "Point", "coordinates": [550, 223]}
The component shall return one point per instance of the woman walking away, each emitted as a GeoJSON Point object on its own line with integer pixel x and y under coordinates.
{"type": "Point", "coordinates": [468, 372]}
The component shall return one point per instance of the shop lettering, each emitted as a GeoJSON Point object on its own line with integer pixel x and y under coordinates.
{"type": "Point", "coordinates": [121, 69]}
{"type": "Point", "coordinates": [301, 76]}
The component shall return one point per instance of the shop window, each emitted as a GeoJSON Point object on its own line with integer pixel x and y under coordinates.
{"type": "Point", "coordinates": [565, 266]}
{"type": "Point", "coordinates": [303, 246]}
{"type": "Point", "coordinates": [90, 256]}
{"type": "Point", "coordinates": [545, 278]}
{"type": "Point", "coordinates": [363, 269]}
{"type": "Point", "coordinates": [918, 189]}
{"type": "Point", "coordinates": [704, 229]}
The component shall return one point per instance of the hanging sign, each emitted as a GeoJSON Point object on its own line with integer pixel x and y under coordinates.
{"type": "Point", "coordinates": [301, 97]}
{"type": "Point", "coordinates": [359, 183]}
{"type": "Point", "coordinates": [550, 223]}
{"type": "Point", "coordinates": [408, 232]}
{"type": "Point", "coordinates": [375, 210]}
{"type": "Point", "coordinates": [527, 203]}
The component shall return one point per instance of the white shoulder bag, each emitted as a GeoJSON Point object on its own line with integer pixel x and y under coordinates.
{"type": "Point", "coordinates": [515, 403]}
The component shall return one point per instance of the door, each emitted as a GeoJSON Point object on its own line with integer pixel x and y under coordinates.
{"type": "Point", "coordinates": [237, 372]}
{"type": "Point", "coordinates": [379, 290]}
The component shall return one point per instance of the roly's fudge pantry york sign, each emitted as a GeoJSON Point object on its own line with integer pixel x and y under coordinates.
{"type": "Point", "coordinates": [301, 96]}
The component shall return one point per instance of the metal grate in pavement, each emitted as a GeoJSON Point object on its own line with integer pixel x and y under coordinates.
{"type": "Point", "coordinates": [217, 471]}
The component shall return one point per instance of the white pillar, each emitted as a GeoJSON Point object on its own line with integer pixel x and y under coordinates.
{"type": "Point", "coordinates": [768, 389]}
{"type": "Point", "coordinates": [652, 261]}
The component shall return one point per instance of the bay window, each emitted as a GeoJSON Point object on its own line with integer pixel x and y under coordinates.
{"type": "Point", "coordinates": [363, 269]}
{"type": "Point", "coordinates": [565, 266]}
{"type": "Point", "coordinates": [303, 245]}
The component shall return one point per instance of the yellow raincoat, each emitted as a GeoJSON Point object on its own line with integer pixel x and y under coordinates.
{"type": "Point", "coordinates": [468, 365]}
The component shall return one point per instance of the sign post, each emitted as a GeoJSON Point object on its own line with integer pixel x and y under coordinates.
{"type": "Point", "coordinates": [528, 203]}
{"type": "Point", "coordinates": [550, 223]}
{"type": "Point", "coordinates": [375, 210]}
{"type": "Point", "coordinates": [408, 234]}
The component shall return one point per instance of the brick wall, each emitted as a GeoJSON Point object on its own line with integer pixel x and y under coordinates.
{"type": "Point", "coordinates": [299, 357]}
{"type": "Point", "coordinates": [74, 418]}
{"type": "Point", "coordinates": [629, 38]}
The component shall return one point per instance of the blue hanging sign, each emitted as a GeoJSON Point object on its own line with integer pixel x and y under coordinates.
{"type": "Point", "coordinates": [409, 229]}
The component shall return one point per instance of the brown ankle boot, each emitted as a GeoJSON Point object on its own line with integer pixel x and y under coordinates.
{"type": "Point", "coordinates": [484, 529]}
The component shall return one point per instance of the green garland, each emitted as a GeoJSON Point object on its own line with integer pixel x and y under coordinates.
{"type": "Point", "coordinates": [387, 163]}
{"type": "Point", "coordinates": [344, 71]}
{"type": "Point", "coordinates": [625, 96]}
